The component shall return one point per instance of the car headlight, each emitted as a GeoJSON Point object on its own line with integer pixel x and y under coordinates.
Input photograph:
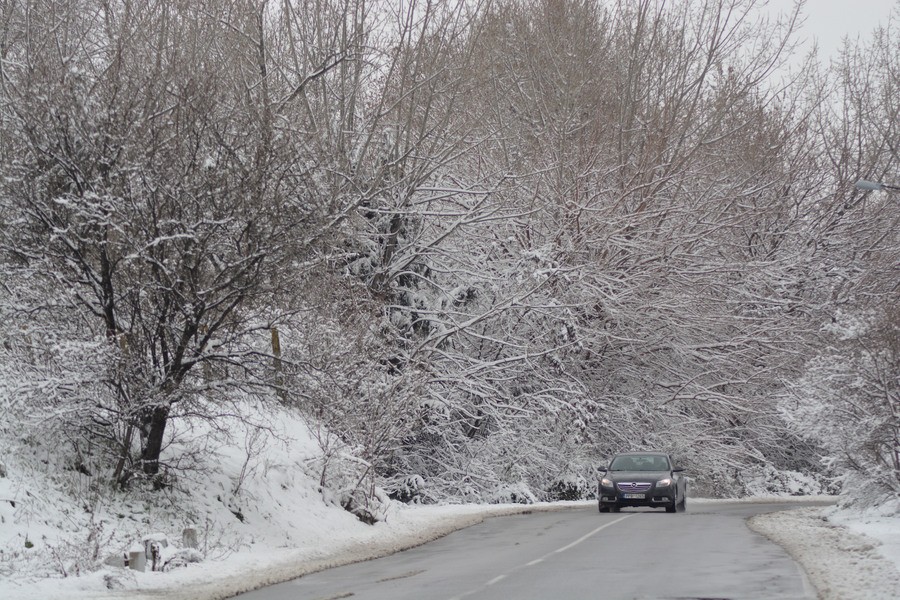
{"type": "Point", "coordinates": [606, 482]}
{"type": "Point", "coordinates": [664, 482]}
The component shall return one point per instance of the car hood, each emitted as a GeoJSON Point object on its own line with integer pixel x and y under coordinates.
{"type": "Point", "coordinates": [652, 476]}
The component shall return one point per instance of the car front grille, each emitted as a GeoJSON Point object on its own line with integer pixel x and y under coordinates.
{"type": "Point", "coordinates": [633, 486]}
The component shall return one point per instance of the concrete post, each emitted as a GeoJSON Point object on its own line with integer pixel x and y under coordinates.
{"type": "Point", "coordinates": [137, 558]}
{"type": "Point", "coordinates": [189, 538]}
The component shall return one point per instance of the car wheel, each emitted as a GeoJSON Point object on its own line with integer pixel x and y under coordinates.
{"type": "Point", "coordinates": [603, 508]}
{"type": "Point", "coordinates": [670, 508]}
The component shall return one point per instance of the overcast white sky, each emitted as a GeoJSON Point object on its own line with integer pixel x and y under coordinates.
{"type": "Point", "coordinates": [829, 21]}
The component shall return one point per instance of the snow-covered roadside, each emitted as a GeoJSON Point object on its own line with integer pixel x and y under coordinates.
{"type": "Point", "coordinates": [881, 523]}
{"type": "Point", "coordinates": [262, 516]}
{"type": "Point", "coordinates": [406, 527]}
{"type": "Point", "coordinates": [259, 512]}
{"type": "Point", "coordinates": [847, 555]}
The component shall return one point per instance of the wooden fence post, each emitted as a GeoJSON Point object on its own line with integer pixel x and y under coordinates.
{"type": "Point", "coordinates": [276, 364]}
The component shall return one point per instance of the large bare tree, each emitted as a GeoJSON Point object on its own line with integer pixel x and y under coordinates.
{"type": "Point", "coordinates": [160, 192]}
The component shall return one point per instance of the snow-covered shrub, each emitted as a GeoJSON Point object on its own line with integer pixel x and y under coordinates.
{"type": "Point", "coordinates": [181, 558]}
{"type": "Point", "coordinates": [715, 484]}
{"type": "Point", "coordinates": [408, 489]}
{"type": "Point", "coordinates": [572, 487]}
{"type": "Point", "coordinates": [847, 400]}
{"type": "Point", "coordinates": [513, 493]}
{"type": "Point", "coordinates": [768, 480]}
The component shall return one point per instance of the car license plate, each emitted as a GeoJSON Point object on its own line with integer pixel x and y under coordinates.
{"type": "Point", "coordinates": [633, 496]}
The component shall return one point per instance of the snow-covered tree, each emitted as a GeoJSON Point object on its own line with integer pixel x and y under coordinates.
{"type": "Point", "coordinates": [848, 398]}
{"type": "Point", "coordinates": [157, 193]}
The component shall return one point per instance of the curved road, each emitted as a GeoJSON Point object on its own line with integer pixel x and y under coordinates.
{"type": "Point", "coordinates": [705, 553]}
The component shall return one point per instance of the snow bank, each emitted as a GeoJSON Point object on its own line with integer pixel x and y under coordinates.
{"type": "Point", "coordinates": [258, 509]}
{"type": "Point", "coordinates": [842, 563]}
{"type": "Point", "coordinates": [881, 523]}
{"type": "Point", "coordinates": [262, 517]}
{"type": "Point", "coordinates": [243, 571]}
{"type": "Point", "coordinates": [845, 556]}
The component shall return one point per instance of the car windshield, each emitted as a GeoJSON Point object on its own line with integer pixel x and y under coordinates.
{"type": "Point", "coordinates": [640, 462]}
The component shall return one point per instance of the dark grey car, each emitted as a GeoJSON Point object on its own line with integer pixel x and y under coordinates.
{"type": "Point", "coordinates": [642, 479]}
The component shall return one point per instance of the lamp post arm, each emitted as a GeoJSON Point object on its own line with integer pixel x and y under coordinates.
{"type": "Point", "coordinates": [865, 184]}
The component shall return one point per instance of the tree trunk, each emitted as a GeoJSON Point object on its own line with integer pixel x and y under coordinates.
{"type": "Point", "coordinates": [156, 422]}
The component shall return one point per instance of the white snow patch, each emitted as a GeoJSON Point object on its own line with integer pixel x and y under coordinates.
{"type": "Point", "coordinates": [842, 561]}
{"type": "Point", "coordinates": [262, 518]}
{"type": "Point", "coordinates": [846, 555]}
{"type": "Point", "coordinates": [881, 523]}
{"type": "Point", "coordinates": [248, 570]}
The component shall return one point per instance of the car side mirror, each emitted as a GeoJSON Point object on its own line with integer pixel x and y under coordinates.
{"type": "Point", "coordinates": [678, 469]}
{"type": "Point", "coordinates": [602, 469]}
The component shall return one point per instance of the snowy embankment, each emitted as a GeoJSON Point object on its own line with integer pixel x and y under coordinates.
{"type": "Point", "coordinates": [261, 516]}
{"type": "Point", "coordinates": [248, 569]}
{"type": "Point", "coordinates": [846, 556]}
{"type": "Point", "coordinates": [254, 498]}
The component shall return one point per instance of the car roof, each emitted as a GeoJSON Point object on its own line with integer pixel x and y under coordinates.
{"type": "Point", "coordinates": [642, 453]}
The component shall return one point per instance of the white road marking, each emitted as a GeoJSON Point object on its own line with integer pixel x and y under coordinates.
{"type": "Point", "coordinates": [541, 559]}
{"type": "Point", "coordinates": [588, 535]}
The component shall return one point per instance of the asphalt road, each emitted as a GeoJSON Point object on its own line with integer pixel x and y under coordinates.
{"type": "Point", "coordinates": [705, 553]}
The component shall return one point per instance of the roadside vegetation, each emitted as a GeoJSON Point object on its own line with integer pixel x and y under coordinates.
{"type": "Point", "coordinates": [474, 246]}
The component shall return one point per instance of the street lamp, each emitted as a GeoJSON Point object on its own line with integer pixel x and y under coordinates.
{"type": "Point", "coordinates": [865, 184]}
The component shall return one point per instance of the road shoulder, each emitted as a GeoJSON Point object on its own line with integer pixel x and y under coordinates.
{"type": "Point", "coordinates": [840, 564]}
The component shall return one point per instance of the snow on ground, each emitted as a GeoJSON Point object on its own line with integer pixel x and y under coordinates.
{"type": "Point", "coordinates": [255, 501]}
{"type": "Point", "coordinates": [262, 518]}
{"type": "Point", "coordinates": [879, 523]}
{"type": "Point", "coordinates": [847, 554]}
{"type": "Point", "coordinates": [250, 569]}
